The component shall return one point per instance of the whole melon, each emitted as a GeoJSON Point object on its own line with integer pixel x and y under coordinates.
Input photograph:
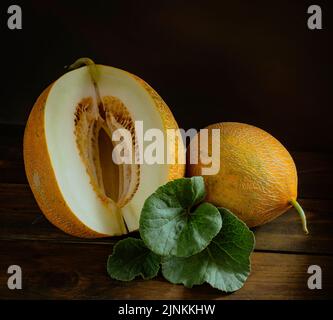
{"type": "Point", "coordinates": [257, 179]}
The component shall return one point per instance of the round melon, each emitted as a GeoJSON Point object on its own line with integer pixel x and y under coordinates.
{"type": "Point", "coordinates": [257, 178]}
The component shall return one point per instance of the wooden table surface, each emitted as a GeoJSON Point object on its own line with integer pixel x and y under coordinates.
{"type": "Point", "coordinates": [58, 266]}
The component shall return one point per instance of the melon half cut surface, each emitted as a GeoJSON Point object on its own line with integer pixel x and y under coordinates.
{"type": "Point", "coordinates": [68, 151]}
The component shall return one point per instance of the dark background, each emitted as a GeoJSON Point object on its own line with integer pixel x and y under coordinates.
{"type": "Point", "coordinates": [211, 61]}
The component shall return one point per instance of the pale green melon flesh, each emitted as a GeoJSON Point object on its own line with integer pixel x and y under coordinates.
{"type": "Point", "coordinates": [71, 172]}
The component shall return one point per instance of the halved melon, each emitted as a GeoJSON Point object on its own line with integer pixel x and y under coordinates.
{"type": "Point", "coordinates": [68, 151]}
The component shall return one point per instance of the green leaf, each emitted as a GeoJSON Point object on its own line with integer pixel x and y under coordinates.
{"type": "Point", "coordinates": [224, 264]}
{"type": "Point", "coordinates": [172, 222]}
{"type": "Point", "coordinates": [131, 258]}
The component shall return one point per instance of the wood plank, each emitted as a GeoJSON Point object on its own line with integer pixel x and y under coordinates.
{"type": "Point", "coordinates": [58, 271]}
{"type": "Point", "coordinates": [285, 233]}
{"type": "Point", "coordinates": [20, 218]}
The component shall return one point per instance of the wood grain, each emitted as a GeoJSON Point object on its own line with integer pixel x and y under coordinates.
{"type": "Point", "coordinates": [20, 218]}
{"type": "Point", "coordinates": [77, 271]}
{"type": "Point", "coordinates": [58, 266]}
{"type": "Point", "coordinates": [285, 233]}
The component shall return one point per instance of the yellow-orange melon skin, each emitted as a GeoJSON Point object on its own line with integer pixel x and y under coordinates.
{"type": "Point", "coordinates": [257, 176]}
{"type": "Point", "coordinates": [41, 176]}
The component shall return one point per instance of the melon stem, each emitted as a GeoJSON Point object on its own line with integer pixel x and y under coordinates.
{"type": "Point", "coordinates": [86, 62]}
{"type": "Point", "coordinates": [93, 75]}
{"type": "Point", "coordinates": [301, 213]}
